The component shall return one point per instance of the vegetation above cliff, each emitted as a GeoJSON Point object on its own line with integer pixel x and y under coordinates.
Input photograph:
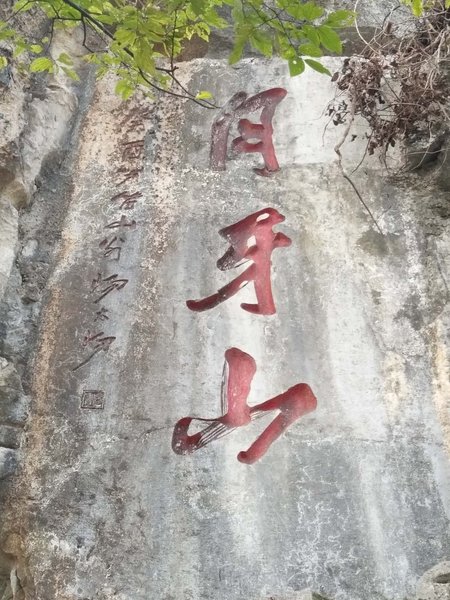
{"type": "Point", "coordinates": [140, 40]}
{"type": "Point", "coordinates": [398, 82]}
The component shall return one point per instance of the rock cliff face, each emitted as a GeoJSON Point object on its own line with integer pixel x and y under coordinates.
{"type": "Point", "coordinates": [38, 129]}
{"type": "Point", "coordinates": [353, 500]}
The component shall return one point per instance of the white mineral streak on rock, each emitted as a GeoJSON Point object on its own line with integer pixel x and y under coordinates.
{"type": "Point", "coordinates": [8, 241]}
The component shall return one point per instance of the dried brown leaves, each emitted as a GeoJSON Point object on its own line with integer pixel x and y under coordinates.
{"type": "Point", "coordinates": [399, 86]}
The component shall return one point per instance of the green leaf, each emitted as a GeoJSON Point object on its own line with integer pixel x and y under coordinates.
{"type": "Point", "coordinates": [203, 31]}
{"type": "Point", "coordinates": [71, 73]}
{"type": "Point", "coordinates": [287, 52]}
{"type": "Point", "coordinates": [198, 6]}
{"type": "Point", "coordinates": [106, 19]}
{"type": "Point", "coordinates": [296, 66]}
{"type": "Point", "coordinates": [204, 95]}
{"type": "Point", "coordinates": [312, 34]}
{"type": "Point", "coordinates": [310, 50]}
{"type": "Point", "coordinates": [239, 44]}
{"type": "Point", "coordinates": [41, 64]}
{"type": "Point", "coordinates": [144, 57]}
{"type": "Point", "coordinates": [340, 18]}
{"type": "Point", "coordinates": [261, 42]}
{"type": "Point", "coordinates": [124, 89]}
{"type": "Point", "coordinates": [3, 62]}
{"type": "Point", "coordinates": [125, 36]}
{"type": "Point", "coordinates": [295, 10]}
{"type": "Point", "coordinates": [212, 18]}
{"type": "Point", "coordinates": [317, 66]}
{"type": "Point", "coordinates": [19, 48]}
{"type": "Point", "coordinates": [65, 59]}
{"type": "Point", "coordinates": [311, 11]}
{"type": "Point", "coordinates": [417, 7]}
{"type": "Point", "coordinates": [6, 34]}
{"type": "Point", "coordinates": [330, 39]}
{"type": "Point", "coordinates": [22, 5]}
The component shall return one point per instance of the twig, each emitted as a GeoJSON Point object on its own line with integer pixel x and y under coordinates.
{"type": "Point", "coordinates": [337, 149]}
{"type": "Point", "coordinates": [103, 29]}
{"type": "Point", "coordinates": [345, 176]}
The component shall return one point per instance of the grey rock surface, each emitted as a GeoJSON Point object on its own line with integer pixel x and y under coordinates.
{"type": "Point", "coordinates": [8, 241]}
{"type": "Point", "coordinates": [353, 501]}
{"type": "Point", "coordinates": [33, 130]}
{"type": "Point", "coordinates": [8, 462]}
{"type": "Point", "coordinates": [35, 127]}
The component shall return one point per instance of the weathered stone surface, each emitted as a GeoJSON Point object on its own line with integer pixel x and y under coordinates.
{"type": "Point", "coordinates": [435, 584]}
{"type": "Point", "coordinates": [8, 462]}
{"type": "Point", "coordinates": [354, 500]}
{"type": "Point", "coordinates": [8, 241]}
{"type": "Point", "coordinates": [302, 595]}
{"type": "Point", "coordinates": [10, 436]}
{"type": "Point", "coordinates": [34, 129]}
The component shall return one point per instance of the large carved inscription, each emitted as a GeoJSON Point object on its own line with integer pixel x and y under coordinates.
{"type": "Point", "coordinates": [251, 240]}
{"type": "Point", "coordinates": [251, 243]}
{"type": "Point", "coordinates": [254, 137]}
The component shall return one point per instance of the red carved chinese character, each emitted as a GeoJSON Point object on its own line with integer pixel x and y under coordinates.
{"type": "Point", "coordinates": [129, 199]}
{"type": "Point", "coordinates": [111, 251]}
{"type": "Point", "coordinates": [259, 227]}
{"type": "Point", "coordinates": [97, 341]}
{"type": "Point", "coordinates": [239, 371]}
{"type": "Point", "coordinates": [262, 132]}
{"type": "Point", "coordinates": [112, 283]}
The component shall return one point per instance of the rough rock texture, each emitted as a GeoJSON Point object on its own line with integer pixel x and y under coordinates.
{"type": "Point", "coordinates": [36, 124]}
{"type": "Point", "coordinates": [8, 240]}
{"type": "Point", "coordinates": [35, 116]}
{"type": "Point", "coordinates": [435, 584]}
{"type": "Point", "coordinates": [354, 500]}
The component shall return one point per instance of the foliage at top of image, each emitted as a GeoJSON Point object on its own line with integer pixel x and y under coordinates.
{"type": "Point", "coordinates": [141, 40]}
{"type": "Point", "coordinates": [420, 6]}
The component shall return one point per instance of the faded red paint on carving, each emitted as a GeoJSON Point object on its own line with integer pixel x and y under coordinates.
{"type": "Point", "coordinates": [258, 225]}
{"type": "Point", "coordinates": [239, 105]}
{"type": "Point", "coordinates": [240, 369]}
